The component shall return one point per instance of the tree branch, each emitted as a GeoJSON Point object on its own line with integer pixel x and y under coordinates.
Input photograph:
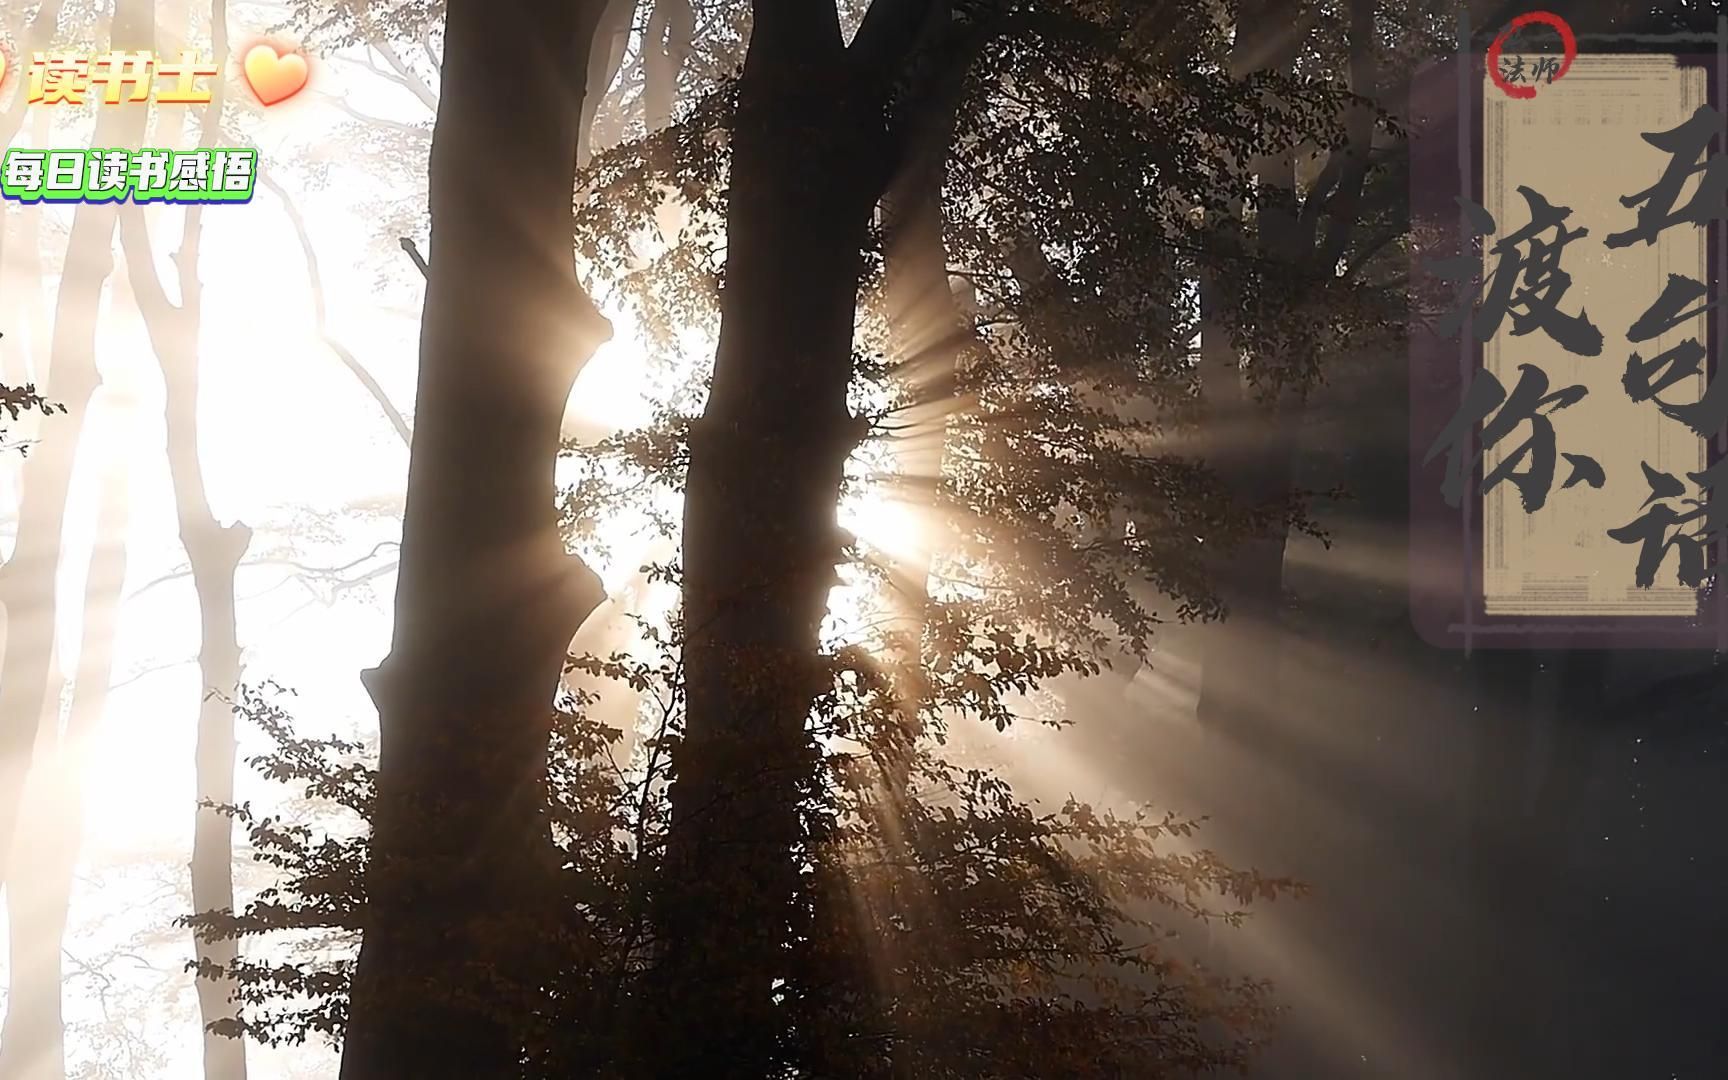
{"type": "Point", "coordinates": [1371, 248]}
{"type": "Point", "coordinates": [394, 125]}
{"type": "Point", "coordinates": [431, 53]}
{"type": "Point", "coordinates": [414, 253]}
{"type": "Point", "coordinates": [302, 568]}
{"type": "Point", "coordinates": [410, 77]}
{"type": "Point", "coordinates": [365, 60]}
{"type": "Point", "coordinates": [319, 314]}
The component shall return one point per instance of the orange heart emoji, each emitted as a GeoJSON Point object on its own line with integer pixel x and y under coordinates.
{"type": "Point", "coordinates": [272, 77]}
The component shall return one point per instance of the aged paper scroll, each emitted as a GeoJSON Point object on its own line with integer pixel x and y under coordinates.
{"type": "Point", "coordinates": [1579, 143]}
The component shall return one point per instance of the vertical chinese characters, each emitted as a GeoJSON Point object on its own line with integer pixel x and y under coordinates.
{"type": "Point", "coordinates": [1528, 285]}
{"type": "Point", "coordinates": [1660, 527]}
{"type": "Point", "coordinates": [1526, 290]}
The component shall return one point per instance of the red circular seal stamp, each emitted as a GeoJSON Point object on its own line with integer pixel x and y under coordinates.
{"type": "Point", "coordinates": [1568, 43]}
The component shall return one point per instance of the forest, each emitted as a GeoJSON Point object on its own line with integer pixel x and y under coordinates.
{"type": "Point", "coordinates": [807, 539]}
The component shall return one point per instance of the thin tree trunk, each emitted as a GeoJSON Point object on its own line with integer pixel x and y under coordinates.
{"type": "Point", "coordinates": [28, 579]}
{"type": "Point", "coordinates": [1245, 448]}
{"type": "Point", "coordinates": [24, 305]}
{"type": "Point", "coordinates": [761, 543]}
{"type": "Point", "coordinates": [618, 704]}
{"type": "Point", "coordinates": [670, 35]}
{"type": "Point", "coordinates": [487, 601]}
{"type": "Point", "coordinates": [14, 362]}
{"type": "Point", "coordinates": [605, 57]}
{"type": "Point", "coordinates": [1224, 399]}
{"type": "Point", "coordinates": [38, 869]}
{"type": "Point", "coordinates": [214, 552]}
{"type": "Point", "coordinates": [32, 1044]}
{"type": "Point", "coordinates": [21, 299]}
{"type": "Point", "coordinates": [30, 273]}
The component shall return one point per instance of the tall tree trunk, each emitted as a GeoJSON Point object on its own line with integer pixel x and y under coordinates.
{"type": "Point", "coordinates": [811, 158]}
{"type": "Point", "coordinates": [666, 46]}
{"type": "Point", "coordinates": [24, 306]}
{"type": "Point", "coordinates": [214, 551]}
{"type": "Point", "coordinates": [1250, 576]}
{"type": "Point", "coordinates": [761, 543]}
{"type": "Point", "coordinates": [32, 1044]}
{"type": "Point", "coordinates": [31, 296]}
{"type": "Point", "coordinates": [611, 40]}
{"type": "Point", "coordinates": [486, 600]}
{"type": "Point", "coordinates": [1259, 440]}
{"type": "Point", "coordinates": [28, 579]}
{"type": "Point", "coordinates": [32, 1039]}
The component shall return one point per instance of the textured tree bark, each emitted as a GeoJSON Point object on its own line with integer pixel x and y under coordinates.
{"type": "Point", "coordinates": [31, 296]}
{"type": "Point", "coordinates": [24, 350]}
{"type": "Point", "coordinates": [486, 599]}
{"type": "Point", "coordinates": [761, 543]}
